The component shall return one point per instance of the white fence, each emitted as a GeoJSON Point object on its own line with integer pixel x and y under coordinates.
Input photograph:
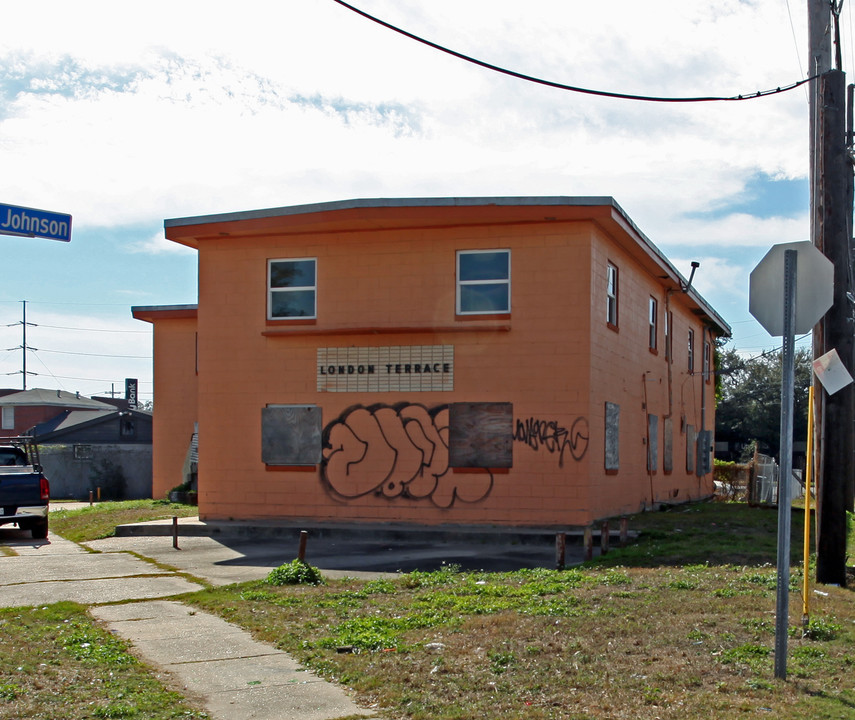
{"type": "Point", "coordinates": [764, 488]}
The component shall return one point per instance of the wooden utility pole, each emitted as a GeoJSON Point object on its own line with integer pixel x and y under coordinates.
{"type": "Point", "coordinates": [834, 489]}
{"type": "Point", "coordinates": [831, 232]}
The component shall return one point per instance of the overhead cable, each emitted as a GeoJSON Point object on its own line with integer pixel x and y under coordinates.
{"type": "Point", "coordinates": [109, 330]}
{"type": "Point", "coordinates": [573, 88]}
{"type": "Point", "coordinates": [69, 352]}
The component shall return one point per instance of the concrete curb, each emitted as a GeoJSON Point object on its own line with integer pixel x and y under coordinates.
{"type": "Point", "coordinates": [387, 532]}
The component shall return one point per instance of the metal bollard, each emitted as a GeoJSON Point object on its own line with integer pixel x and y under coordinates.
{"type": "Point", "coordinates": [589, 544]}
{"type": "Point", "coordinates": [301, 554]}
{"type": "Point", "coordinates": [560, 550]}
{"type": "Point", "coordinates": [175, 532]}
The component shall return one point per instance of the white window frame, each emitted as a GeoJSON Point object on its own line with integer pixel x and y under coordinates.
{"type": "Point", "coordinates": [691, 347]}
{"type": "Point", "coordinates": [652, 323]}
{"type": "Point", "coordinates": [8, 419]}
{"type": "Point", "coordinates": [707, 361]}
{"type": "Point", "coordinates": [612, 279]}
{"type": "Point", "coordinates": [669, 335]}
{"type": "Point", "coordinates": [296, 288]}
{"type": "Point", "coordinates": [489, 281]}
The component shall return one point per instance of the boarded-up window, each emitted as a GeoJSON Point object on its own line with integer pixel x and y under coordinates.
{"type": "Point", "coordinates": [480, 435]}
{"type": "Point", "coordinates": [668, 445]}
{"type": "Point", "coordinates": [691, 442]}
{"type": "Point", "coordinates": [612, 434]}
{"type": "Point", "coordinates": [291, 435]}
{"type": "Point", "coordinates": [652, 442]}
{"type": "Point", "coordinates": [83, 452]}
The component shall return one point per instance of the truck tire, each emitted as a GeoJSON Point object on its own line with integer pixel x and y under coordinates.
{"type": "Point", "coordinates": [39, 529]}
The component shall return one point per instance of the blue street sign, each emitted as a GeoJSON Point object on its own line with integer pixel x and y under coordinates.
{"type": "Point", "coordinates": [29, 222]}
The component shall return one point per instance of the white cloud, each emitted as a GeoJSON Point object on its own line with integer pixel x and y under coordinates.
{"type": "Point", "coordinates": [124, 116]}
{"type": "Point", "coordinates": [157, 244]}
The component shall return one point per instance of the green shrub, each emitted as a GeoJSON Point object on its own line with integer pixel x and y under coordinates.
{"type": "Point", "coordinates": [296, 572]}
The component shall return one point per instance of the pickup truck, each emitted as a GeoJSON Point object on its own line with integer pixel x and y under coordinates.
{"type": "Point", "coordinates": [24, 490]}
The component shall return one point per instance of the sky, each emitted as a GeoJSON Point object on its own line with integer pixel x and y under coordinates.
{"type": "Point", "coordinates": [125, 114]}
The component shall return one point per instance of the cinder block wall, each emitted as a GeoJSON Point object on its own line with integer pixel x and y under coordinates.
{"type": "Point", "coordinates": [72, 478]}
{"type": "Point", "coordinates": [383, 281]}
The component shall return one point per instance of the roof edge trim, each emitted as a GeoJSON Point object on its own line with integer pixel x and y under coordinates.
{"type": "Point", "coordinates": [361, 203]}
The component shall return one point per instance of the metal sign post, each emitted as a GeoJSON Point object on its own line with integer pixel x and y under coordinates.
{"type": "Point", "coordinates": [786, 465]}
{"type": "Point", "coordinates": [805, 268]}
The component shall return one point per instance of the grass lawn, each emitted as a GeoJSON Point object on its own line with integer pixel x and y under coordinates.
{"type": "Point", "coordinates": [100, 520]}
{"type": "Point", "coordinates": [680, 624]}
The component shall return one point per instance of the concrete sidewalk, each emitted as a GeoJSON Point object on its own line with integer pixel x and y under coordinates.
{"type": "Point", "coordinates": [218, 665]}
{"type": "Point", "coordinates": [236, 676]}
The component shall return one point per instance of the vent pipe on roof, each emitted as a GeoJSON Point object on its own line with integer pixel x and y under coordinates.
{"type": "Point", "coordinates": [695, 266]}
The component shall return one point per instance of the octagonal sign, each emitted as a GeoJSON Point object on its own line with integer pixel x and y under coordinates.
{"type": "Point", "coordinates": [814, 288]}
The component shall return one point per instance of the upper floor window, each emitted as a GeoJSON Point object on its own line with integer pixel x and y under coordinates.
{"type": "Point", "coordinates": [612, 295]}
{"type": "Point", "coordinates": [669, 336]}
{"type": "Point", "coordinates": [691, 351]}
{"type": "Point", "coordinates": [483, 282]}
{"type": "Point", "coordinates": [291, 289]}
{"type": "Point", "coordinates": [707, 360]}
{"type": "Point", "coordinates": [8, 422]}
{"type": "Point", "coordinates": [652, 322]}
{"type": "Point", "coordinates": [127, 427]}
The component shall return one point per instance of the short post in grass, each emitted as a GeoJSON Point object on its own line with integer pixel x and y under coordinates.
{"type": "Point", "coordinates": [560, 548]}
{"type": "Point", "coordinates": [624, 531]}
{"type": "Point", "coordinates": [175, 532]}
{"type": "Point", "coordinates": [604, 537]}
{"type": "Point", "coordinates": [301, 553]}
{"type": "Point", "coordinates": [90, 498]}
{"type": "Point", "coordinates": [589, 543]}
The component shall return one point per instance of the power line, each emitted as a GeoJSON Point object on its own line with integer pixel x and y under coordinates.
{"type": "Point", "coordinates": [68, 352]}
{"type": "Point", "coordinates": [107, 330]}
{"type": "Point", "coordinates": [573, 88]}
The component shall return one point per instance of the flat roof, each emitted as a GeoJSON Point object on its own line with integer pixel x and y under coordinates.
{"type": "Point", "coordinates": [147, 312]}
{"type": "Point", "coordinates": [377, 203]}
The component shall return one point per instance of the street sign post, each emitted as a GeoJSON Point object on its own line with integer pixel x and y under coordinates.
{"type": "Point", "coordinates": [789, 291]}
{"type": "Point", "coordinates": [29, 222]}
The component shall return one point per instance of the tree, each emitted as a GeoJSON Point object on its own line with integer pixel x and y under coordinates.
{"type": "Point", "coordinates": [749, 399]}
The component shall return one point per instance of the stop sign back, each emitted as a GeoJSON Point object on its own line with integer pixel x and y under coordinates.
{"type": "Point", "coordinates": [814, 288]}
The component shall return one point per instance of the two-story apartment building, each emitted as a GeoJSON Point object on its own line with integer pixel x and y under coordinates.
{"type": "Point", "coordinates": [506, 361]}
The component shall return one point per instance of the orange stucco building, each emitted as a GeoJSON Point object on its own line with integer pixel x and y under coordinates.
{"type": "Point", "coordinates": [500, 361]}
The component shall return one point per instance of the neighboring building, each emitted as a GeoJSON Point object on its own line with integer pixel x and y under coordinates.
{"type": "Point", "coordinates": [22, 409]}
{"type": "Point", "coordinates": [502, 361]}
{"type": "Point", "coordinates": [110, 450]}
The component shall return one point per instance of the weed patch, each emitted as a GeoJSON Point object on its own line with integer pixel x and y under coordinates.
{"type": "Point", "coordinates": [296, 572]}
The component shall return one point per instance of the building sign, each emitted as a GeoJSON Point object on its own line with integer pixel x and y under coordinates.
{"type": "Point", "coordinates": [29, 222]}
{"type": "Point", "coordinates": [131, 392]}
{"type": "Point", "coordinates": [410, 368]}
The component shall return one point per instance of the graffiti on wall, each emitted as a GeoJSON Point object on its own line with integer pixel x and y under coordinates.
{"type": "Point", "coordinates": [396, 451]}
{"type": "Point", "coordinates": [554, 438]}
